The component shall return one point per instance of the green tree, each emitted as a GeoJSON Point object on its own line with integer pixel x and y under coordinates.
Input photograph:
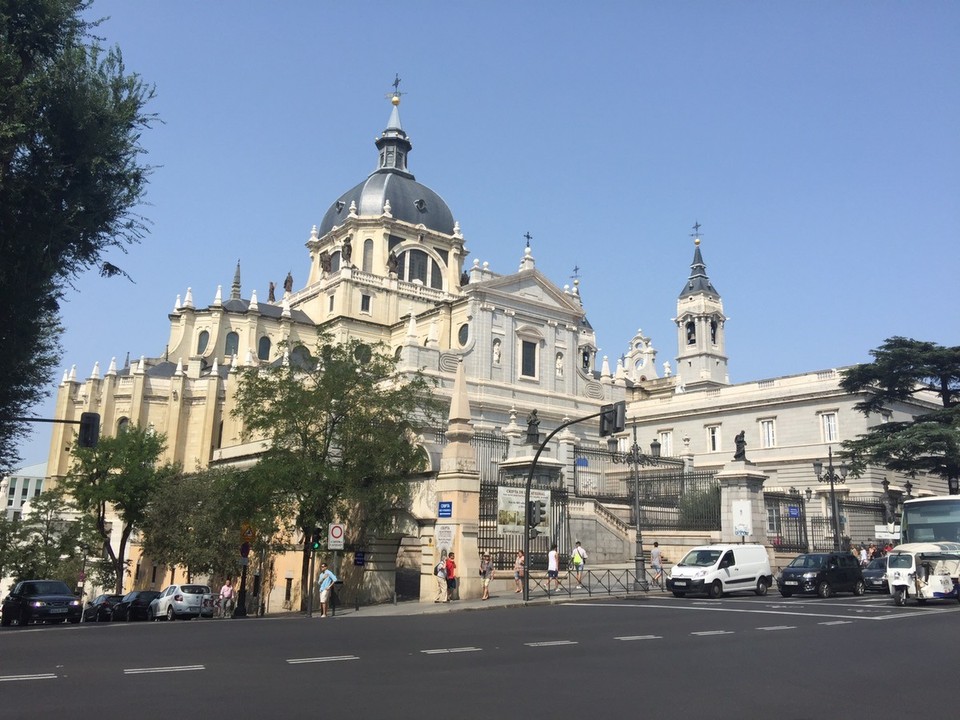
{"type": "Point", "coordinates": [50, 541]}
{"type": "Point", "coordinates": [121, 474]}
{"type": "Point", "coordinates": [337, 437]}
{"type": "Point", "coordinates": [903, 369]}
{"type": "Point", "coordinates": [195, 520]}
{"type": "Point", "coordinates": [71, 118]}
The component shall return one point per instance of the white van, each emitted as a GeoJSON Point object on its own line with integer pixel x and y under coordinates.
{"type": "Point", "coordinates": [717, 569]}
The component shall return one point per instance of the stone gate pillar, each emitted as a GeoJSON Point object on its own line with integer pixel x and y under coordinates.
{"type": "Point", "coordinates": [743, 514]}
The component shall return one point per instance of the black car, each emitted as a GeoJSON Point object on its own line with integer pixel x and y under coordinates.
{"type": "Point", "coordinates": [40, 601]}
{"type": "Point", "coordinates": [823, 574]}
{"type": "Point", "coordinates": [875, 575]}
{"type": "Point", "coordinates": [101, 609]}
{"type": "Point", "coordinates": [134, 605]}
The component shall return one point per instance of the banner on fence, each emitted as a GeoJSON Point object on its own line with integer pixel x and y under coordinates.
{"type": "Point", "coordinates": [511, 512]}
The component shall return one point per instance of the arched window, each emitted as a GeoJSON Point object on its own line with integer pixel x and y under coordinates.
{"type": "Point", "coordinates": [263, 348]}
{"type": "Point", "coordinates": [335, 261]}
{"type": "Point", "coordinates": [202, 341]}
{"type": "Point", "coordinates": [414, 265]}
{"type": "Point", "coordinates": [122, 425]}
{"type": "Point", "coordinates": [691, 333]}
{"type": "Point", "coordinates": [300, 358]}
{"type": "Point", "coordinates": [713, 332]}
{"type": "Point", "coordinates": [233, 345]}
{"type": "Point", "coordinates": [368, 255]}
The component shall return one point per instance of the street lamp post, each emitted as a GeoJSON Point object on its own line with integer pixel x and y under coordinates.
{"type": "Point", "coordinates": [635, 459]}
{"type": "Point", "coordinates": [832, 477]}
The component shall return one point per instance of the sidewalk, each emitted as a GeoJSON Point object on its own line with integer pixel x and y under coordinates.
{"type": "Point", "coordinates": [505, 599]}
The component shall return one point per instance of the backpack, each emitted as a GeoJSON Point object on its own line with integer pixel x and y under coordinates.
{"type": "Point", "coordinates": [441, 569]}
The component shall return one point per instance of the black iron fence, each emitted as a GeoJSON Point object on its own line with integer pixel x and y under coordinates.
{"type": "Point", "coordinates": [671, 497]}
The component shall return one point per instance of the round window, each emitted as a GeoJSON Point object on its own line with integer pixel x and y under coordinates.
{"type": "Point", "coordinates": [464, 334]}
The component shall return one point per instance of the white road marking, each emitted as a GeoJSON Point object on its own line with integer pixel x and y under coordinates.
{"type": "Point", "coordinates": [329, 658]}
{"type": "Point", "coordinates": [38, 676]}
{"type": "Point", "coordinates": [640, 637]}
{"type": "Point", "coordinates": [441, 651]}
{"type": "Point", "coordinates": [551, 643]}
{"type": "Point", "coordinates": [837, 622]}
{"type": "Point", "coordinates": [172, 668]}
{"type": "Point", "coordinates": [708, 608]}
{"type": "Point", "coordinates": [779, 627]}
{"type": "Point", "coordinates": [713, 632]}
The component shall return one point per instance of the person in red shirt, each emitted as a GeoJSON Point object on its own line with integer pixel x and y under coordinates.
{"type": "Point", "coordinates": [452, 593]}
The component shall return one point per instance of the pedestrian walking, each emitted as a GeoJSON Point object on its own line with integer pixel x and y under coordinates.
{"type": "Point", "coordinates": [226, 599]}
{"type": "Point", "coordinates": [325, 581]}
{"type": "Point", "coordinates": [440, 572]}
{"type": "Point", "coordinates": [452, 592]}
{"type": "Point", "coordinates": [518, 570]}
{"type": "Point", "coordinates": [579, 559]}
{"type": "Point", "coordinates": [486, 575]}
{"type": "Point", "coordinates": [656, 562]}
{"type": "Point", "coordinates": [553, 567]}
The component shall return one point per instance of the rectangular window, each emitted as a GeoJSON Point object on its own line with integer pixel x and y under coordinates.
{"type": "Point", "coordinates": [666, 443]}
{"type": "Point", "coordinates": [12, 489]}
{"type": "Point", "coordinates": [528, 359]}
{"type": "Point", "coordinates": [828, 427]}
{"type": "Point", "coordinates": [768, 433]}
{"type": "Point", "coordinates": [773, 521]}
{"type": "Point", "coordinates": [331, 303]}
{"type": "Point", "coordinates": [288, 590]}
{"type": "Point", "coordinates": [713, 438]}
{"type": "Point", "coordinates": [153, 577]}
{"type": "Point", "coordinates": [364, 303]}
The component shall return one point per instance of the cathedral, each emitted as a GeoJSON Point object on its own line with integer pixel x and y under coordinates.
{"type": "Point", "coordinates": [389, 265]}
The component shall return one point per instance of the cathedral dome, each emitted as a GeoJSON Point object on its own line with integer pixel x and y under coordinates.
{"type": "Point", "coordinates": [409, 200]}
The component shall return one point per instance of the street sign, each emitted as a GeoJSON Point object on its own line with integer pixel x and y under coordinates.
{"type": "Point", "coordinates": [245, 550]}
{"type": "Point", "coordinates": [246, 532]}
{"type": "Point", "coordinates": [359, 557]}
{"type": "Point", "coordinates": [445, 509]}
{"type": "Point", "coordinates": [335, 536]}
{"type": "Point", "coordinates": [793, 511]}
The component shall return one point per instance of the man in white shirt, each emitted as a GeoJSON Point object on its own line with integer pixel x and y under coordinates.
{"type": "Point", "coordinates": [226, 599]}
{"type": "Point", "coordinates": [553, 567]}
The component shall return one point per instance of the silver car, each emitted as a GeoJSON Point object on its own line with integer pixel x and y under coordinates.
{"type": "Point", "coordinates": [179, 601]}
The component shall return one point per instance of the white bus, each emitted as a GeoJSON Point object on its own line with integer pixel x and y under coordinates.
{"type": "Point", "coordinates": [931, 519]}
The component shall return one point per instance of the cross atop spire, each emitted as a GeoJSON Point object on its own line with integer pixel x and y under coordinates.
{"type": "Point", "coordinates": [394, 97]}
{"type": "Point", "coordinates": [528, 237]}
{"type": "Point", "coordinates": [696, 232]}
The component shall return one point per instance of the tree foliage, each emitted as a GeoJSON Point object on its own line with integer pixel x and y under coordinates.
{"type": "Point", "coordinates": [338, 440]}
{"type": "Point", "coordinates": [195, 521]}
{"type": "Point", "coordinates": [51, 541]}
{"type": "Point", "coordinates": [121, 474]}
{"type": "Point", "coordinates": [71, 118]}
{"type": "Point", "coordinates": [902, 370]}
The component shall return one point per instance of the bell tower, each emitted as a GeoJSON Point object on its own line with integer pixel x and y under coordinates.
{"type": "Point", "coordinates": [701, 346]}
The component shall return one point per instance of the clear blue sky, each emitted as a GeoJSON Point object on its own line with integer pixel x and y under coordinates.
{"type": "Point", "coordinates": [816, 142]}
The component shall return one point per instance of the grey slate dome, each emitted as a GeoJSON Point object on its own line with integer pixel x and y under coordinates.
{"type": "Point", "coordinates": [410, 201]}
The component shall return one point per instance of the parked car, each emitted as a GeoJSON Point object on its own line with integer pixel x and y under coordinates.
{"type": "Point", "coordinates": [40, 601]}
{"type": "Point", "coordinates": [718, 569]}
{"type": "Point", "coordinates": [101, 609]}
{"type": "Point", "coordinates": [135, 605]}
{"type": "Point", "coordinates": [823, 574]}
{"type": "Point", "coordinates": [875, 575]}
{"type": "Point", "coordinates": [179, 601]}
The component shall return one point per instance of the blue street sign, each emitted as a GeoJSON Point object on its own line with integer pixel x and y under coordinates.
{"type": "Point", "coordinates": [445, 509]}
{"type": "Point", "coordinates": [793, 511]}
{"type": "Point", "coordinates": [359, 557]}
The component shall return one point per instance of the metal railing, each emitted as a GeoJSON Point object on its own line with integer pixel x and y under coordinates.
{"type": "Point", "coordinates": [593, 582]}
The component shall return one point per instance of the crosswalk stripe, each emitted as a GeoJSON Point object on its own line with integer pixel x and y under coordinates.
{"type": "Point", "coordinates": [442, 651]}
{"type": "Point", "coordinates": [640, 637]}
{"type": "Point", "coordinates": [329, 658]}
{"type": "Point", "coordinates": [172, 668]}
{"type": "Point", "coordinates": [38, 676]}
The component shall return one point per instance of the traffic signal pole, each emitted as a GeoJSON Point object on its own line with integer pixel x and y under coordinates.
{"type": "Point", "coordinates": [526, 494]}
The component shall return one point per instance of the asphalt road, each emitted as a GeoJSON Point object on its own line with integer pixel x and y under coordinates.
{"type": "Point", "coordinates": [737, 657]}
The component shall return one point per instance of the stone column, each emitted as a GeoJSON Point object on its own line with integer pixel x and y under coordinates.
{"type": "Point", "coordinates": [742, 509]}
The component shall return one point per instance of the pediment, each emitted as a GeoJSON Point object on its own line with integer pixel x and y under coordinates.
{"type": "Point", "coordinates": [528, 288]}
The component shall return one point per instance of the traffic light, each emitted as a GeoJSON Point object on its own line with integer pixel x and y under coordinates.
{"type": "Point", "coordinates": [89, 429]}
{"type": "Point", "coordinates": [536, 512]}
{"type": "Point", "coordinates": [613, 418]}
{"type": "Point", "coordinates": [315, 539]}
